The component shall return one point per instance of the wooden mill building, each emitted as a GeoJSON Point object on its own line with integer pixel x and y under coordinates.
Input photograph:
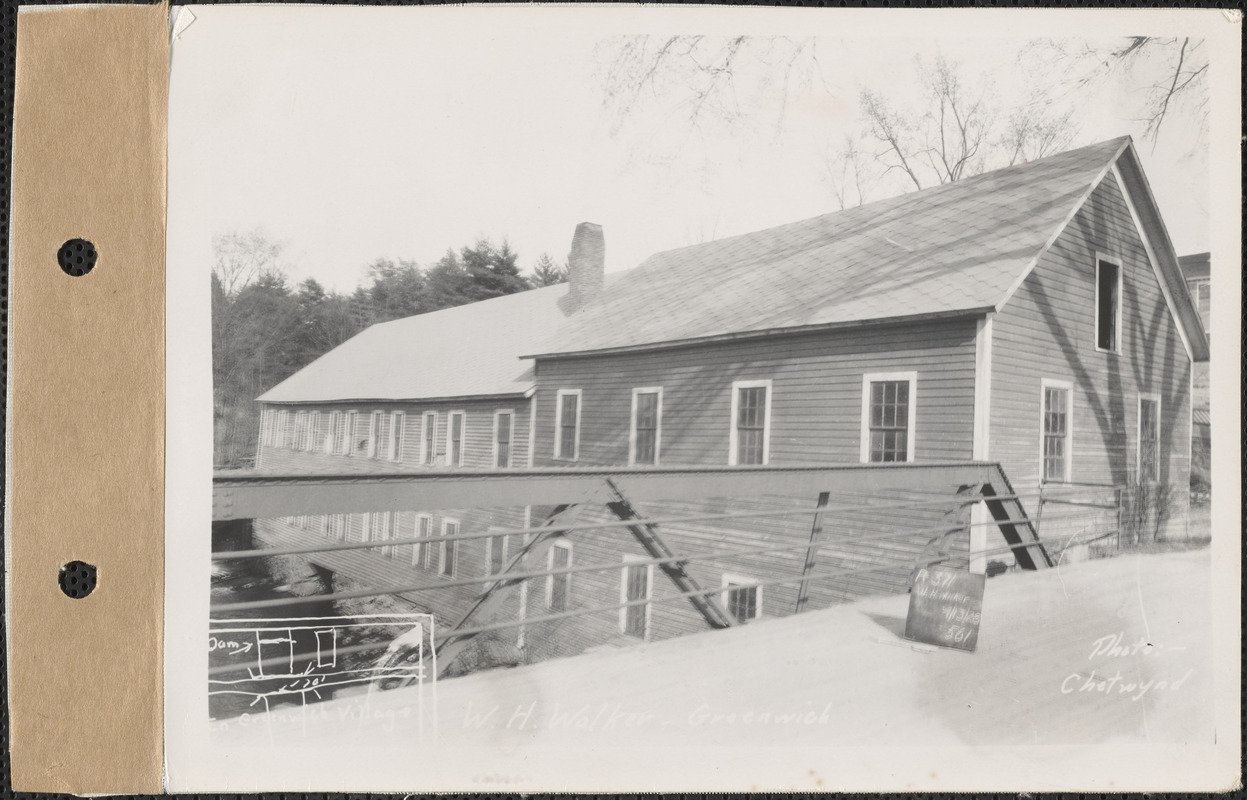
{"type": "Point", "coordinates": [1034, 316]}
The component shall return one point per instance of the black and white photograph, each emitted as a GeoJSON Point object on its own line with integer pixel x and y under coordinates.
{"type": "Point", "coordinates": [639, 398]}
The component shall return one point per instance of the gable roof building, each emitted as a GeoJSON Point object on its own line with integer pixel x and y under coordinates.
{"type": "Point", "coordinates": [1034, 317]}
{"type": "Point", "coordinates": [470, 350]}
{"type": "Point", "coordinates": [955, 249]}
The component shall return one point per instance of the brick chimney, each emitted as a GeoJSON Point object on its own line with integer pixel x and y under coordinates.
{"type": "Point", "coordinates": [586, 266]}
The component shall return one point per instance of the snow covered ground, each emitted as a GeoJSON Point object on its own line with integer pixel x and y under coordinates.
{"type": "Point", "coordinates": [1107, 651]}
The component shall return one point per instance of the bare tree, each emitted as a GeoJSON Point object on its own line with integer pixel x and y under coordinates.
{"type": "Point", "coordinates": [240, 258]}
{"type": "Point", "coordinates": [953, 126]}
{"type": "Point", "coordinates": [949, 136]}
{"type": "Point", "coordinates": [894, 132]}
{"type": "Point", "coordinates": [847, 174]}
{"type": "Point", "coordinates": [946, 126]}
{"type": "Point", "coordinates": [1035, 130]}
{"type": "Point", "coordinates": [1168, 74]}
{"type": "Point", "coordinates": [956, 126]}
{"type": "Point", "coordinates": [708, 79]}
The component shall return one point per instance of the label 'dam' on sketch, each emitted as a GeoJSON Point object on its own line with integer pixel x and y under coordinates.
{"type": "Point", "coordinates": [945, 608]}
{"type": "Point", "coordinates": [255, 664]}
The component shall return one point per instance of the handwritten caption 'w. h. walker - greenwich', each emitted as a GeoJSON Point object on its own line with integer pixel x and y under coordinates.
{"type": "Point", "coordinates": [607, 717]}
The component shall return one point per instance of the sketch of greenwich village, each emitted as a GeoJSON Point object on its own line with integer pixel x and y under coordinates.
{"type": "Point", "coordinates": [616, 382]}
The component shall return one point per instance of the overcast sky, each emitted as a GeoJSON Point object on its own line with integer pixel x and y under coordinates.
{"type": "Point", "coordinates": [351, 134]}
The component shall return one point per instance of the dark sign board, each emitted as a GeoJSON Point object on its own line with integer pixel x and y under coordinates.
{"type": "Point", "coordinates": [945, 607]}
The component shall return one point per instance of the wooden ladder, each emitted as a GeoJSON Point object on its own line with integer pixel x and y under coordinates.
{"type": "Point", "coordinates": [707, 605]}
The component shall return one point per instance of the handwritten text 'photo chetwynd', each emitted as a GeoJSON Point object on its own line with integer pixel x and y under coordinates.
{"type": "Point", "coordinates": [1114, 646]}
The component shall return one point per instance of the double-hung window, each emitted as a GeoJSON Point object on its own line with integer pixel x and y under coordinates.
{"type": "Point", "coordinates": [742, 597]}
{"type": "Point", "coordinates": [314, 441]}
{"type": "Point", "coordinates": [381, 529]}
{"type": "Point", "coordinates": [646, 434]}
{"type": "Point", "coordinates": [636, 585]}
{"type": "Point", "coordinates": [495, 555]}
{"type": "Point", "coordinates": [422, 552]}
{"type": "Point", "coordinates": [750, 434]}
{"type": "Point", "coordinates": [394, 447]}
{"type": "Point", "coordinates": [428, 439]}
{"type": "Point", "coordinates": [1107, 305]}
{"type": "Point", "coordinates": [389, 521]}
{"type": "Point", "coordinates": [450, 548]}
{"type": "Point", "coordinates": [1149, 438]}
{"type": "Point", "coordinates": [1057, 450]}
{"type": "Point", "coordinates": [504, 438]}
{"type": "Point", "coordinates": [352, 421]}
{"type": "Point", "coordinates": [567, 424]}
{"type": "Point", "coordinates": [559, 587]}
{"type": "Point", "coordinates": [374, 433]}
{"type": "Point", "coordinates": [455, 437]}
{"type": "Point", "coordinates": [889, 401]}
{"type": "Point", "coordinates": [336, 432]}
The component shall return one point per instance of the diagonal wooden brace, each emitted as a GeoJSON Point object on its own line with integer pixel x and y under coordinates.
{"type": "Point", "coordinates": [449, 644]}
{"type": "Point", "coordinates": [707, 605]}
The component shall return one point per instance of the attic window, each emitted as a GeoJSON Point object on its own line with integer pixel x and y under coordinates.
{"type": "Point", "coordinates": [1107, 306]}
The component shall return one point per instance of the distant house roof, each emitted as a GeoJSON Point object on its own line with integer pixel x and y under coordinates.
{"type": "Point", "coordinates": [456, 352]}
{"type": "Point", "coordinates": [958, 248]}
{"type": "Point", "coordinates": [1196, 265]}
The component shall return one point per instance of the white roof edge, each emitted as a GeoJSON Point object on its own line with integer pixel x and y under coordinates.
{"type": "Point", "coordinates": [461, 398]}
{"type": "Point", "coordinates": [1151, 254]}
{"type": "Point", "coordinates": [1034, 262]}
{"type": "Point", "coordinates": [766, 333]}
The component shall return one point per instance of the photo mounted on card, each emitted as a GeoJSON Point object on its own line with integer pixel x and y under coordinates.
{"type": "Point", "coordinates": [629, 399]}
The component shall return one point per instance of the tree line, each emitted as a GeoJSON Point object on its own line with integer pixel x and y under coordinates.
{"type": "Point", "coordinates": [264, 329]}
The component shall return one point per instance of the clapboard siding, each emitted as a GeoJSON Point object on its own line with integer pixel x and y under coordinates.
{"type": "Point", "coordinates": [816, 403]}
{"type": "Point", "coordinates": [372, 569]}
{"type": "Point", "coordinates": [478, 436]}
{"type": "Point", "coordinates": [850, 543]}
{"type": "Point", "coordinates": [1047, 330]}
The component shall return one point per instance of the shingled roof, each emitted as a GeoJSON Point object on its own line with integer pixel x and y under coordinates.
{"type": "Point", "coordinates": [470, 350]}
{"type": "Point", "coordinates": [958, 248]}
